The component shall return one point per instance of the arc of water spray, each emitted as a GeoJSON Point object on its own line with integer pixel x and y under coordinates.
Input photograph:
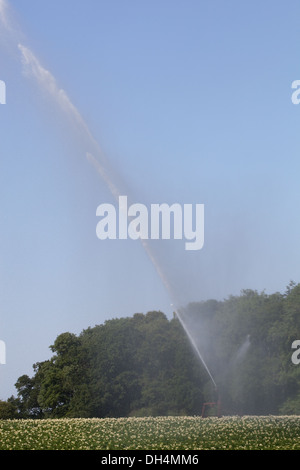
{"type": "Point", "coordinates": [48, 83]}
{"type": "Point", "coordinates": [193, 343]}
{"type": "Point", "coordinates": [4, 15]}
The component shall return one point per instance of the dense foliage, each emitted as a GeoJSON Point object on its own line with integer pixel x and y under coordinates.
{"type": "Point", "coordinates": [145, 365]}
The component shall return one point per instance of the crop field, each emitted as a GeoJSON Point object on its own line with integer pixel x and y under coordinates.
{"type": "Point", "coordinates": [161, 433]}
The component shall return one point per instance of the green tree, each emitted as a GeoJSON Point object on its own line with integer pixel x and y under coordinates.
{"type": "Point", "coordinates": [146, 365]}
{"type": "Point", "coordinates": [8, 409]}
{"type": "Point", "coordinates": [62, 379]}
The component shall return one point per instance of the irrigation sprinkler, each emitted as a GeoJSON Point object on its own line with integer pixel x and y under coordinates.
{"type": "Point", "coordinates": [216, 405]}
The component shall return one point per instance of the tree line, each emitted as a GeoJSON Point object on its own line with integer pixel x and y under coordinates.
{"type": "Point", "coordinates": [146, 365]}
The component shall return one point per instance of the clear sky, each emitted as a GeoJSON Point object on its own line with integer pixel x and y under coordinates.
{"type": "Point", "coordinates": [190, 102]}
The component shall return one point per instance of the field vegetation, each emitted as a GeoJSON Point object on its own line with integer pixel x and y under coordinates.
{"type": "Point", "coordinates": [160, 433]}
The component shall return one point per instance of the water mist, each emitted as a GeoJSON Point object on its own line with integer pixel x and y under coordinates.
{"type": "Point", "coordinates": [35, 71]}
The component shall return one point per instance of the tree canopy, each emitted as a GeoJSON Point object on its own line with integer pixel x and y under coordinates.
{"type": "Point", "coordinates": [145, 364]}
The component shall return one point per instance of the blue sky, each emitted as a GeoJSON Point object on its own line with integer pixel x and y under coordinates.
{"type": "Point", "coordinates": [190, 101]}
